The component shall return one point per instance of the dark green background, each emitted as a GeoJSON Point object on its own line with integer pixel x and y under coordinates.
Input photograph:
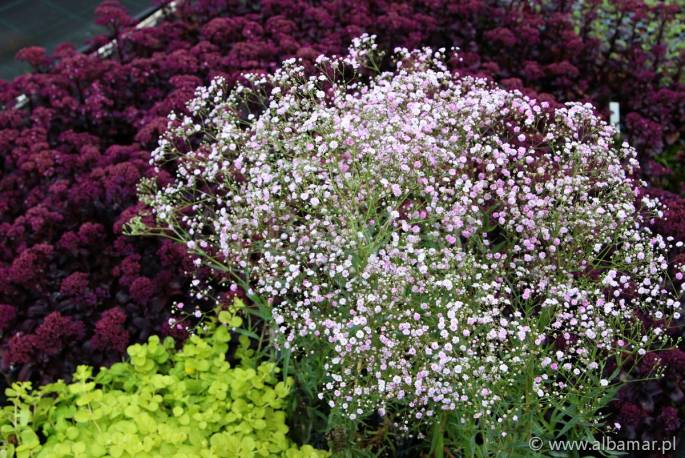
{"type": "Point", "coordinates": [48, 23]}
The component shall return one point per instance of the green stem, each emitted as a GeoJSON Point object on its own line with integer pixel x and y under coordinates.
{"type": "Point", "coordinates": [438, 443]}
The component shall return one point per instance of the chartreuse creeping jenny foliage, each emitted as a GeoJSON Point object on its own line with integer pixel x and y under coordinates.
{"type": "Point", "coordinates": [462, 260]}
{"type": "Point", "coordinates": [162, 402]}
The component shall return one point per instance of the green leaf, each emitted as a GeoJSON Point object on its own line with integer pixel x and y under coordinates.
{"type": "Point", "coordinates": [222, 334]}
{"type": "Point", "coordinates": [82, 416]}
{"type": "Point", "coordinates": [225, 317]}
{"type": "Point", "coordinates": [29, 439]}
{"type": "Point", "coordinates": [236, 322]}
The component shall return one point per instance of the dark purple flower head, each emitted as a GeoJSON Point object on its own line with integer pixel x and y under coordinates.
{"type": "Point", "coordinates": [501, 36]}
{"type": "Point", "coordinates": [29, 267]}
{"type": "Point", "coordinates": [111, 14]}
{"type": "Point", "coordinates": [142, 289]}
{"type": "Point", "coordinates": [69, 242]}
{"type": "Point", "coordinates": [110, 332]}
{"type": "Point", "coordinates": [34, 56]}
{"type": "Point", "coordinates": [91, 233]}
{"type": "Point", "coordinates": [674, 360]}
{"type": "Point", "coordinates": [630, 415]}
{"type": "Point", "coordinates": [51, 337]}
{"type": "Point", "coordinates": [7, 315]}
{"type": "Point", "coordinates": [56, 332]}
{"type": "Point", "coordinates": [669, 420]}
{"type": "Point", "coordinates": [74, 284]}
{"type": "Point", "coordinates": [649, 363]}
{"type": "Point", "coordinates": [20, 349]}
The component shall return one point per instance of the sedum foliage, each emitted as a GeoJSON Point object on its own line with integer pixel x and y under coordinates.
{"type": "Point", "coordinates": [163, 402]}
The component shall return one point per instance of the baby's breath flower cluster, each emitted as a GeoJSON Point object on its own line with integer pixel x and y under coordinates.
{"type": "Point", "coordinates": [444, 244]}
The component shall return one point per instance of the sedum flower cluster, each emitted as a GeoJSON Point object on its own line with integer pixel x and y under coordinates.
{"type": "Point", "coordinates": [443, 244]}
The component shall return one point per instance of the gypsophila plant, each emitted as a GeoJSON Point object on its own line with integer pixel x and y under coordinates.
{"type": "Point", "coordinates": [459, 255]}
{"type": "Point", "coordinates": [163, 402]}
